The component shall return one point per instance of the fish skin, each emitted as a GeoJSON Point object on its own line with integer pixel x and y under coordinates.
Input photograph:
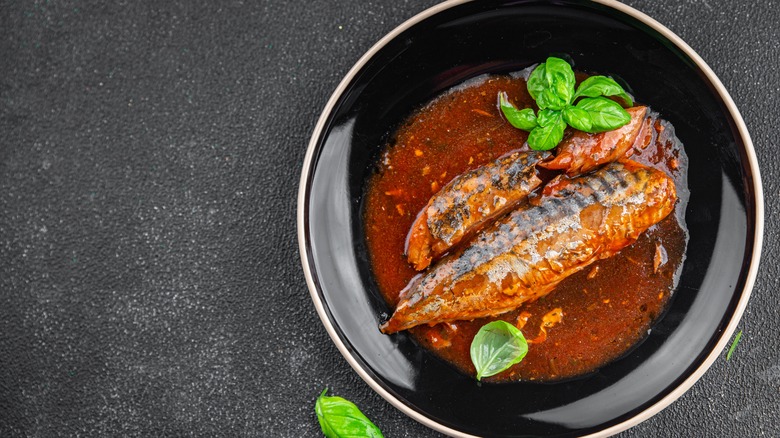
{"type": "Point", "coordinates": [468, 201]}
{"type": "Point", "coordinates": [582, 152]}
{"type": "Point", "coordinates": [524, 255]}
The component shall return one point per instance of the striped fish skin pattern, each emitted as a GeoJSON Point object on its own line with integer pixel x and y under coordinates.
{"type": "Point", "coordinates": [525, 254]}
{"type": "Point", "coordinates": [471, 199]}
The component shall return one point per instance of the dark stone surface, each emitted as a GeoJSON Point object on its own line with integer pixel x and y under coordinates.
{"type": "Point", "coordinates": [150, 152]}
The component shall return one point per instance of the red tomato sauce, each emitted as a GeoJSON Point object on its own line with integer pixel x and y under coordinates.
{"type": "Point", "coordinates": [592, 317]}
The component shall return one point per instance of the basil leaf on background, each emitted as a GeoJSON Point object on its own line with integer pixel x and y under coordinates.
{"type": "Point", "coordinates": [340, 418]}
{"type": "Point", "coordinates": [577, 118]}
{"type": "Point", "coordinates": [497, 346]}
{"type": "Point", "coordinates": [605, 114]}
{"type": "Point", "coordinates": [734, 344]}
{"type": "Point", "coordinates": [524, 119]}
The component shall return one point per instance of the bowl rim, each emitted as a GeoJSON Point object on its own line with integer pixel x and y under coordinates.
{"type": "Point", "coordinates": [681, 388]}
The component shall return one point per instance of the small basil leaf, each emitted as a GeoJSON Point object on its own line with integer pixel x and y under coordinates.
{"type": "Point", "coordinates": [549, 99]}
{"type": "Point", "coordinates": [560, 78]}
{"type": "Point", "coordinates": [497, 346]}
{"type": "Point", "coordinates": [605, 114]}
{"type": "Point", "coordinates": [577, 118]}
{"type": "Point", "coordinates": [339, 418]}
{"type": "Point", "coordinates": [544, 138]}
{"type": "Point", "coordinates": [521, 119]}
{"type": "Point", "coordinates": [734, 345]}
{"type": "Point", "coordinates": [537, 81]}
{"type": "Point", "coordinates": [596, 86]}
{"type": "Point", "coordinates": [547, 117]}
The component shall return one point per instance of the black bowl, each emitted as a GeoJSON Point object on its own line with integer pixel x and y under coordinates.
{"type": "Point", "coordinates": [456, 41]}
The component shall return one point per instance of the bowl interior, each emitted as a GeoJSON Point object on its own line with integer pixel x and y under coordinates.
{"type": "Point", "coordinates": [471, 39]}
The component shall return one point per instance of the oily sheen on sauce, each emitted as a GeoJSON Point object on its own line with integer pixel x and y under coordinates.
{"type": "Point", "coordinates": [592, 317]}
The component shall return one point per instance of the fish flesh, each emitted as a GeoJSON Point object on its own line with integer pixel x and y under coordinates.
{"type": "Point", "coordinates": [582, 152]}
{"type": "Point", "coordinates": [525, 254]}
{"type": "Point", "coordinates": [470, 200]}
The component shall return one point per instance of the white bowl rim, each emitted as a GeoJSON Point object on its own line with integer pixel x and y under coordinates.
{"type": "Point", "coordinates": [752, 269]}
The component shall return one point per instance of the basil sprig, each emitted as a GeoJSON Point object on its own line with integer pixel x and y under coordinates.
{"type": "Point", "coordinates": [551, 84]}
{"type": "Point", "coordinates": [497, 346]}
{"type": "Point", "coordinates": [340, 418]}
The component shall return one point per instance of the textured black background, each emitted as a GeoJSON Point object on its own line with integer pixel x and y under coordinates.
{"type": "Point", "coordinates": [150, 282]}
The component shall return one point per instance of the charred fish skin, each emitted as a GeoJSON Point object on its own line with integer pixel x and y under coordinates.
{"type": "Point", "coordinates": [468, 201]}
{"type": "Point", "coordinates": [582, 152]}
{"type": "Point", "coordinates": [526, 254]}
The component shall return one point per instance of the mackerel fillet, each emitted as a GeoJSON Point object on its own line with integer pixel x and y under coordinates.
{"type": "Point", "coordinates": [471, 199]}
{"type": "Point", "coordinates": [525, 254]}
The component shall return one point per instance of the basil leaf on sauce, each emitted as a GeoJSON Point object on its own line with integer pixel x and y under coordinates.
{"type": "Point", "coordinates": [596, 86]}
{"type": "Point", "coordinates": [548, 134]}
{"type": "Point", "coordinates": [605, 114]}
{"type": "Point", "coordinates": [340, 418]}
{"type": "Point", "coordinates": [497, 346]}
{"type": "Point", "coordinates": [524, 119]}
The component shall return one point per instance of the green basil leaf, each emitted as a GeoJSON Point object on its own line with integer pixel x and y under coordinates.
{"type": "Point", "coordinates": [544, 138]}
{"type": "Point", "coordinates": [596, 86]}
{"type": "Point", "coordinates": [605, 114]}
{"type": "Point", "coordinates": [560, 79]}
{"type": "Point", "coordinates": [340, 418]}
{"type": "Point", "coordinates": [497, 346]}
{"type": "Point", "coordinates": [577, 118]}
{"type": "Point", "coordinates": [548, 117]}
{"type": "Point", "coordinates": [537, 81]}
{"type": "Point", "coordinates": [549, 132]}
{"type": "Point", "coordinates": [548, 99]}
{"type": "Point", "coordinates": [524, 119]}
{"type": "Point", "coordinates": [734, 345]}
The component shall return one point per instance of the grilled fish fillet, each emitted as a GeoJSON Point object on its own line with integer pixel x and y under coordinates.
{"type": "Point", "coordinates": [524, 255]}
{"type": "Point", "coordinates": [468, 201]}
{"type": "Point", "coordinates": [582, 152]}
